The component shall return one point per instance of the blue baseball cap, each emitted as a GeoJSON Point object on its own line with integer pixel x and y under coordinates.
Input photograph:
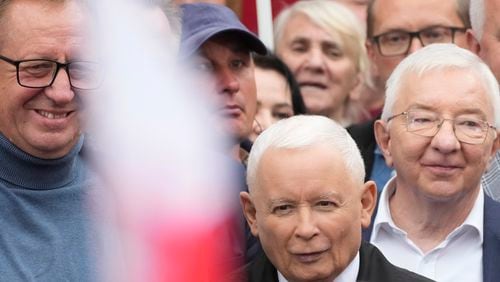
{"type": "Point", "coordinates": [202, 21]}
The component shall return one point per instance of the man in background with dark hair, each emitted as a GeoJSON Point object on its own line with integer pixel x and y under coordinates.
{"type": "Point", "coordinates": [219, 46]}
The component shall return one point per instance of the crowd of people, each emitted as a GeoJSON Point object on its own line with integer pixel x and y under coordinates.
{"type": "Point", "coordinates": [367, 142]}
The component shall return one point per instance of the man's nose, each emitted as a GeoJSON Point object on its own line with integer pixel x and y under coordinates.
{"type": "Point", "coordinates": [415, 44]}
{"type": "Point", "coordinates": [306, 225]}
{"type": "Point", "coordinates": [445, 139]}
{"type": "Point", "coordinates": [60, 91]}
{"type": "Point", "coordinates": [227, 81]}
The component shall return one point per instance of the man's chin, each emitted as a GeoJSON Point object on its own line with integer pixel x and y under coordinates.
{"type": "Point", "coordinates": [51, 147]}
{"type": "Point", "coordinates": [236, 131]}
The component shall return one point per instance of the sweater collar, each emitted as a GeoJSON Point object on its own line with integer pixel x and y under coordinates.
{"type": "Point", "coordinates": [24, 170]}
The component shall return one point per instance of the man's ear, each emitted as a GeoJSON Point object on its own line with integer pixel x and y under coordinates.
{"type": "Point", "coordinates": [472, 42]}
{"type": "Point", "coordinates": [368, 202]}
{"type": "Point", "coordinates": [383, 138]}
{"type": "Point", "coordinates": [249, 212]}
{"type": "Point", "coordinates": [496, 144]}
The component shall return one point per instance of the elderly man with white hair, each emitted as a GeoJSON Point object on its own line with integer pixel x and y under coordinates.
{"type": "Point", "coordinates": [307, 203]}
{"type": "Point", "coordinates": [439, 131]}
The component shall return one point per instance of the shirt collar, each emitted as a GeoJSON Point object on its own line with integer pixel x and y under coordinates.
{"type": "Point", "coordinates": [474, 219]}
{"type": "Point", "coordinates": [348, 275]}
{"type": "Point", "coordinates": [384, 213]}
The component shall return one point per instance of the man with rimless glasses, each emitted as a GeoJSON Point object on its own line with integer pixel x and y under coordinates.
{"type": "Point", "coordinates": [439, 131]}
{"type": "Point", "coordinates": [396, 29]}
{"type": "Point", "coordinates": [44, 178]}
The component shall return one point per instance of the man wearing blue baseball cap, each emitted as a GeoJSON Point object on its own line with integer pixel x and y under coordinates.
{"type": "Point", "coordinates": [217, 44]}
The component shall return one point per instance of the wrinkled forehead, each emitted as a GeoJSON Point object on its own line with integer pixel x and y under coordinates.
{"type": "Point", "coordinates": [25, 20]}
{"type": "Point", "coordinates": [444, 84]}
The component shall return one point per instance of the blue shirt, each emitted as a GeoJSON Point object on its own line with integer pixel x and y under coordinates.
{"type": "Point", "coordinates": [381, 173]}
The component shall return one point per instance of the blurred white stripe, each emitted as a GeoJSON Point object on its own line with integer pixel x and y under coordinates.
{"type": "Point", "coordinates": [155, 140]}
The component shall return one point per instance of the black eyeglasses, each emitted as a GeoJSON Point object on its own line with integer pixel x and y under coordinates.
{"type": "Point", "coordinates": [426, 123]}
{"type": "Point", "coordinates": [41, 73]}
{"type": "Point", "coordinates": [395, 43]}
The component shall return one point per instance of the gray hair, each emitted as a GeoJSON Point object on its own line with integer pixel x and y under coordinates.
{"type": "Point", "coordinates": [477, 17]}
{"type": "Point", "coordinates": [303, 131]}
{"type": "Point", "coordinates": [334, 18]}
{"type": "Point", "coordinates": [442, 57]}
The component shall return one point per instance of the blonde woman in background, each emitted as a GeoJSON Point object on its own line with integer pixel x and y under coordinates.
{"type": "Point", "coordinates": [322, 42]}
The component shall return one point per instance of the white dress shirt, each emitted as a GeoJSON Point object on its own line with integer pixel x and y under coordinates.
{"type": "Point", "coordinates": [457, 258]}
{"type": "Point", "coordinates": [348, 275]}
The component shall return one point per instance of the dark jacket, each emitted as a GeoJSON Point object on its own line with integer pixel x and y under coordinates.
{"type": "Point", "coordinates": [364, 137]}
{"type": "Point", "coordinates": [373, 267]}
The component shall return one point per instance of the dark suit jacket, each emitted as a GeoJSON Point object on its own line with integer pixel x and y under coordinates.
{"type": "Point", "coordinates": [364, 137]}
{"type": "Point", "coordinates": [373, 267]}
{"type": "Point", "coordinates": [491, 239]}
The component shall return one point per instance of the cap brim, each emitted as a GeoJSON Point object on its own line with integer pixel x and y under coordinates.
{"type": "Point", "coordinates": [191, 45]}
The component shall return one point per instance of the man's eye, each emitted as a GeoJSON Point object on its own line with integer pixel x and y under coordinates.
{"type": "Point", "coordinates": [282, 209]}
{"type": "Point", "coordinates": [38, 68]}
{"type": "Point", "coordinates": [237, 64]}
{"type": "Point", "coordinates": [435, 36]}
{"type": "Point", "coordinates": [470, 125]}
{"type": "Point", "coordinates": [394, 38]}
{"type": "Point", "coordinates": [326, 204]}
{"type": "Point", "coordinates": [421, 120]}
{"type": "Point", "coordinates": [83, 70]}
{"type": "Point", "coordinates": [204, 67]}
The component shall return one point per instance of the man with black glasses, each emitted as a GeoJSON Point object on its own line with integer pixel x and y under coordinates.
{"type": "Point", "coordinates": [395, 29]}
{"type": "Point", "coordinates": [46, 70]}
{"type": "Point", "coordinates": [43, 177]}
{"type": "Point", "coordinates": [439, 130]}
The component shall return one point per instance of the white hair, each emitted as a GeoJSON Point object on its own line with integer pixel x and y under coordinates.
{"type": "Point", "coordinates": [477, 17]}
{"type": "Point", "coordinates": [335, 19]}
{"type": "Point", "coordinates": [303, 131]}
{"type": "Point", "coordinates": [442, 57]}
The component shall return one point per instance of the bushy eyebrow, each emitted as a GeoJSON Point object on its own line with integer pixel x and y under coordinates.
{"type": "Point", "coordinates": [469, 111]}
{"type": "Point", "coordinates": [325, 196]}
{"type": "Point", "coordinates": [278, 201]}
